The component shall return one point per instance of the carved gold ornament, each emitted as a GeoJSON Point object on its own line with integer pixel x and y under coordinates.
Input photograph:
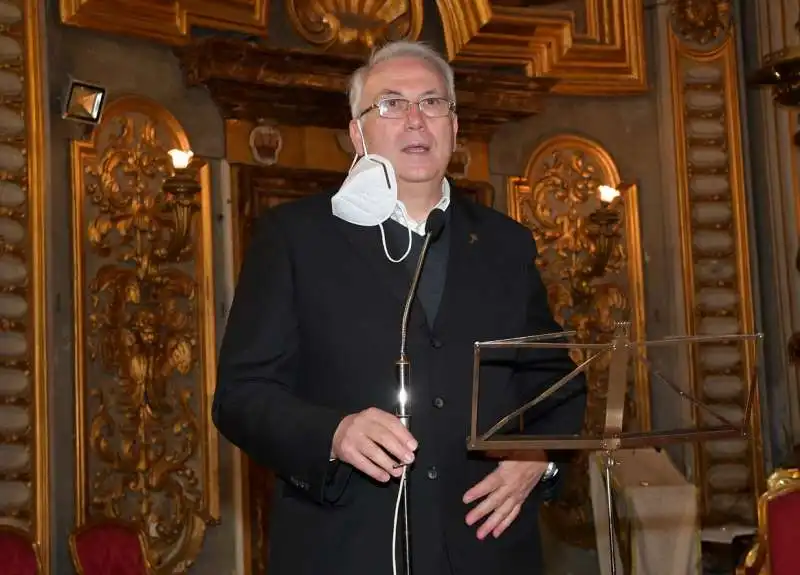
{"type": "Point", "coordinates": [25, 476]}
{"type": "Point", "coordinates": [144, 338]}
{"type": "Point", "coordinates": [354, 26]}
{"type": "Point", "coordinates": [168, 21]}
{"type": "Point", "coordinates": [589, 46]}
{"type": "Point", "coordinates": [701, 21]}
{"type": "Point", "coordinates": [715, 257]}
{"type": "Point", "coordinates": [587, 232]}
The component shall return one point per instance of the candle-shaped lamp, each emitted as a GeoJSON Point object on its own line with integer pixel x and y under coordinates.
{"type": "Point", "coordinates": [607, 194]}
{"type": "Point", "coordinates": [180, 158]}
{"type": "Point", "coordinates": [182, 192]}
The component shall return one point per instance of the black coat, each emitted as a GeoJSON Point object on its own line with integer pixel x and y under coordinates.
{"type": "Point", "coordinates": [313, 335]}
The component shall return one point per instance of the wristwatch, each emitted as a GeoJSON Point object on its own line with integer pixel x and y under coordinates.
{"type": "Point", "coordinates": [550, 472]}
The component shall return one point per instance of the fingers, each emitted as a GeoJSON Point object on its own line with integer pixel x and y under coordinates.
{"type": "Point", "coordinates": [505, 523]}
{"type": "Point", "coordinates": [365, 465]}
{"type": "Point", "coordinates": [488, 484]}
{"type": "Point", "coordinates": [396, 428]}
{"type": "Point", "coordinates": [489, 504]}
{"type": "Point", "coordinates": [374, 441]}
{"type": "Point", "coordinates": [379, 457]}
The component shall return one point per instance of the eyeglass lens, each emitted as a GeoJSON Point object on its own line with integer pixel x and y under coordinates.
{"type": "Point", "coordinates": [399, 107]}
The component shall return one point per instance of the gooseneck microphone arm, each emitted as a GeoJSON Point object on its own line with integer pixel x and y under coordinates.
{"type": "Point", "coordinates": [434, 226]}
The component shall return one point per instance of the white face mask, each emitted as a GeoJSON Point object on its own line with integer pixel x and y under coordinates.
{"type": "Point", "coordinates": [368, 196]}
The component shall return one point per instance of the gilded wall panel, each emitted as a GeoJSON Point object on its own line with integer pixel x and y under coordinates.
{"type": "Point", "coordinates": [594, 279]}
{"type": "Point", "coordinates": [715, 250]}
{"type": "Point", "coordinates": [169, 21]}
{"type": "Point", "coordinates": [145, 346]}
{"type": "Point", "coordinates": [24, 501]}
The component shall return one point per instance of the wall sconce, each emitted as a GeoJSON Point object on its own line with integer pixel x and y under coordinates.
{"type": "Point", "coordinates": [603, 229]}
{"type": "Point", "coordinates": [181, 191]}
{"type": "Point", "coordinates": [781, 71]}
{"type": "Point", "coordinates": [84, 102]}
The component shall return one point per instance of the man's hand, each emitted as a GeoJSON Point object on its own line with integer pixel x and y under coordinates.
{"type": "Point", "coordinates": [504, 491]}
{"type": "Point", "coordinates": [363, 440]}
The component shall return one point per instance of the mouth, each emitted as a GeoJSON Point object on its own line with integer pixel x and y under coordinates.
{"type": "Point", "coordinates": [416, 148]}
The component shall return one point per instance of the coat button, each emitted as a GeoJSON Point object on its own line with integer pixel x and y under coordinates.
{"type": "Point", "coordinates": [437, 344]}
{"type": "Point", "coordinates": [438, 403]}
{"type": "Point", "coordinates": [432, 473]}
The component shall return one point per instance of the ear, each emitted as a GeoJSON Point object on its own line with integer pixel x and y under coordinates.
{"type": "Point", "coordinates": [455, 131]}
{"type": "Point", "coordinates": [355, 138]}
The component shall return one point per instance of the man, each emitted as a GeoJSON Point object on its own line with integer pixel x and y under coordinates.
{"type": "Point", "coordinates": [307, 383]}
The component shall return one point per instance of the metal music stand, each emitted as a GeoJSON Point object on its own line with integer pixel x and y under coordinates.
{"type": "Point", "coordinates": [621, 348]}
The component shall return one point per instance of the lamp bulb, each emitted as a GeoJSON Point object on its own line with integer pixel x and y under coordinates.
{"type": "Point", "coordinates": [180, 158]}
{"type": "Point", "coordinates": [607, 193]}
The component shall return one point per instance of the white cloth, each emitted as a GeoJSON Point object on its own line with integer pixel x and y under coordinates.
{"type": "Point", "coordinates": [400, 214]}
{"type": "Point", "coordinates": [656, 507]}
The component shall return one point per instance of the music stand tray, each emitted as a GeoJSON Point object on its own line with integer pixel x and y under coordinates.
{"type": "Point", "coordinates": [621, 349]}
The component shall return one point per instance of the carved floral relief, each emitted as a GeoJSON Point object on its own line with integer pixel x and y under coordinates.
{"type": "Point", "coordinates": [147, 450]}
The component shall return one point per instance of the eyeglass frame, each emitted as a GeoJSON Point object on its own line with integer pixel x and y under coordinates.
{"type": "Point", "coordinates": [451, 106]}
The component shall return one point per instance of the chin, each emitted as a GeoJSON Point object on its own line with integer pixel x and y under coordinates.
{"type": "Point", "coordinates": [419, 175]}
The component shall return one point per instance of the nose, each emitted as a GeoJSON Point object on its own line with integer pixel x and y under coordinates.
{"type": "Point", "coordinates": [414, 118]}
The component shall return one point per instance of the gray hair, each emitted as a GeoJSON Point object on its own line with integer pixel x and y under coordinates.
{"type": "Point", "coordinates": [399, 49]}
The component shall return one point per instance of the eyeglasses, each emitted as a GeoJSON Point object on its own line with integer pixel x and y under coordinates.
{"type": "Point", "coordinates": [396, 108]}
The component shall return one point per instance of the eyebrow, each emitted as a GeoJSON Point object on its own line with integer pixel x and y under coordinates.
{"type": "Point", "coordinates": [396, 93]}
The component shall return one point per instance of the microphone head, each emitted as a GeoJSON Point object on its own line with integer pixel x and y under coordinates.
{"type": "Point", "coordinates": [435, 223]}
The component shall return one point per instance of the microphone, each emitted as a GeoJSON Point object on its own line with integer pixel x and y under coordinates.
{"type": "Point", "coordinates": [433, 229]}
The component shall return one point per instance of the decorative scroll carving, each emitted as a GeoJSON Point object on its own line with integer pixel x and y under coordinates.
{"type": "Point", "coordinates": [701, 21]}
{"type": "Point", "coordinates": [717, 282]}
{"type": "Point", "coordinates": [355, 27]}
{"type": "Point", "coordinates": [145, 335]}
{"type": "Point", "coordinates": [607, 57]}
{"type": "Point", "coordinates": [24, 474]}
{"type": "Point", "coordinates": [253, 83]}
{"type": "Point", "coordinates": [168, 21]}
{"type": "Point", "coordinates": [556, 200]}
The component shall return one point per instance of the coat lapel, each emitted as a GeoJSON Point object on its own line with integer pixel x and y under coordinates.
{"type": "Point", "coordinates": [367, 244]}
{"type": "Point", "coordinates": [465, 278]}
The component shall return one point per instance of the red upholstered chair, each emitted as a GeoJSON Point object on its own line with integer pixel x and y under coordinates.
{"type": "Point", "coordinates": [777, 549]}
{"type": "Point", "coordinates": [18, 552]}
{"type": "Point", "coordinates": [109, 547]}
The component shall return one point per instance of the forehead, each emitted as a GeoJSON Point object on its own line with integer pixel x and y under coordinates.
{"type": "Point", "coordinates": [410, 77]}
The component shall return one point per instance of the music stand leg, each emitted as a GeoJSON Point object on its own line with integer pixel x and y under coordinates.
{"type": "Point", "coordinates": [609, 463]}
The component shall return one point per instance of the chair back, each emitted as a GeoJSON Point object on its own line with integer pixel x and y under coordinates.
{"type": "Point", "coordinates": [782, 506]}
{"type": "Point", "coordinates": [18, 553]}
{"type": "Point", "coordinates": [109, 547]}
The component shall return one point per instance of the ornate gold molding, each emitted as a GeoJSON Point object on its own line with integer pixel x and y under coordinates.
{"type": "Point", "coordinates": [298, 88]}
{"type": "Point", "coordinates": [607, 57]}
{"type": "Point", "coordinates": [355, 27]}
{"type": "Point", "coordinates": [716, 263]}
{"type": "Point", "coordinates": [169, 21]}
{"type": "Point", "coordinates": [555, 200]}
{"type": "Point", "coordinates": [144, 334]}
{"type": "Point", "coordinates": [701, 21]}
{"type": "Point", "coordinates": [24, 430]}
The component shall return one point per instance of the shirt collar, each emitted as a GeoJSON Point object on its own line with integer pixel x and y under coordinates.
{"type": "Point", "coordinates": [400, 214]}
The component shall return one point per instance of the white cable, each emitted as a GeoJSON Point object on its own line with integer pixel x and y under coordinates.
{"type": "Point", "coordinates": [396, 516]}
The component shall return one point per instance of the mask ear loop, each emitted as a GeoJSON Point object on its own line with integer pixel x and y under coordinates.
{"type": "Point", "coordinates": [386, 249]}
{"type": "Point", "coordinates": [383, 233]}
{"type": "Point", "coordinates": [363, 139]}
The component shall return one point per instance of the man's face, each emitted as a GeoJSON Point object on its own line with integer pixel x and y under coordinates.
{"type": "Point", "coordinates": [419, 147]}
